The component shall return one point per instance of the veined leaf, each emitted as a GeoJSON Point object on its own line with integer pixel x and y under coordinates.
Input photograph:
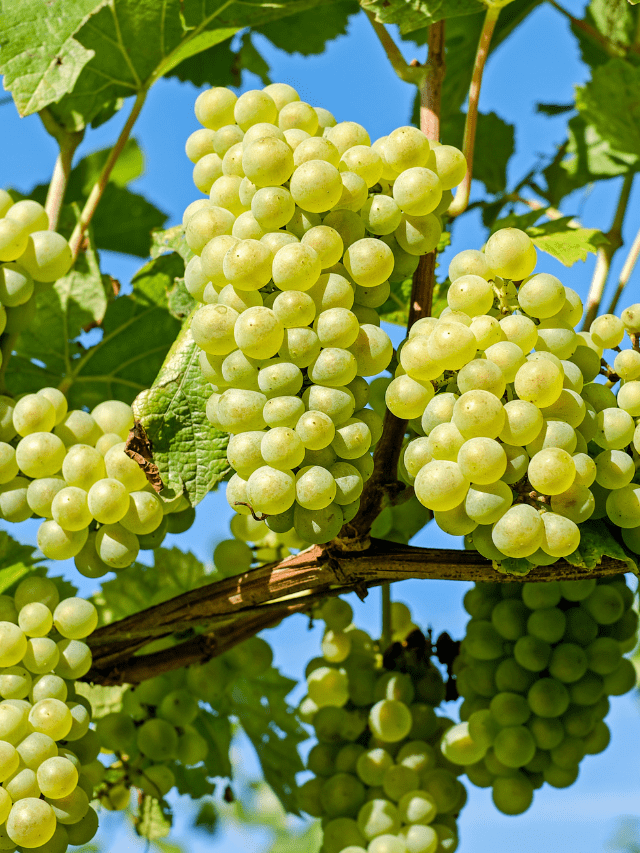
{"type": "Point", "coordinates": [610, 102]}
{"type": "Point", "coordinates": [16, 561]}
{"type": "Point", "coordinates": [154, 818]}
{"type": "Point", "coordinates": [188, 450]}
{"type": "Point", "coordinates": [565, 242]}
{"type": "Point", "coordinates": [411, 15]}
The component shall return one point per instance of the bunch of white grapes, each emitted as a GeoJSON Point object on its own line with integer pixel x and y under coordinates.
{"type": "Point", "coordinates": [70, 468]}
{"type": "Point", "coordinates": [519, 439]}
{"type": "Point", "coordinates": [536, 669]}
{"type": "Point", "coordinates": [48, 753]}
{"type": "Point", "coordinates": [305, 226]}
{"type": "Point", "coordinates": [159, 724]}
{"type": "Point", "coordinates": [31, 259]}
{"type": "Point", "coordinates": [381, 783]}
{"type": "Point", "coordinates": [253, 544]}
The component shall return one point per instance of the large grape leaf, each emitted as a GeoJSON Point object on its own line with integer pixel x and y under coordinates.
{"type": "Point", "coordinates": [135, 333]}
{"type": "Point", "coordinates": [308, 32]}
{"type": "Point", "coordinates": [189, 452]}
{"type": "Point", "coordinates": [39, 57]}
{"type": "Point", "coordinates": [610, 102]}
{"type": "Point", "coordinates": [134, 44]}
{"type": "Point", "coordinates": [565, 242]}
{"type": "Point", "coordinates": [495, 143]}
{"type": "Point", "coordinates": [273, 729]}
{"type": "Point", "coordinates": [410, 15]}
{"type": "Point", "coordinates": [614, 20]}
{"type": "Point", "coordinates": [597, 541]}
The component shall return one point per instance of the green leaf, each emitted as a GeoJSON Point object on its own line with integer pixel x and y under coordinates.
{"type": "Point", "coordinates": [416, 14]}
{"type": "Point", "coordinates": [128, 167]}
{"type": "Point", "coordinates": [124, 220]}
{"type": "Point", "coordinates": [215, 66]}
{"type": "Point", "coordinates": [554, 109]}
{"type": "Point", "coordinates": [596, 542]}
{"type": "Point", "coordinates": [216, 730]}
{"type": "Point", "coordinates": [513, 566]}
{"type": "Point", "coordinates": [181, 302]}
{"type": "Point", "coordinates": [396, 308]}
{"type": "Point", "coordinates": [192, 781]}
{"type": "Point", "coordinates": [172, 573]}
{"type": "Point", "coordinates": [408, 519]}
{"type": "Point", "coordinates": [170, 240]}
{"type": "Point", "coordinates": [308, 32]}
{"type": "Point", "coordinates": [39, 57]}
{"type": "Point", "coordinates": [104, 700]}
{"type": "Point", "coordinates": [610, 102]}
{"type": "Point", "coordinates": [565, 242]}
{"type": "Point", "coordinates": [137, 333]}
{"type": "Point", "coordinates": [253, 61]}
{"type": "Point", "coordinates": [207, 818]}
{"type": "Point", "coordinates": [134, 44]}
{"type": "Point", "coordinates": [46, 352]}
{"type": "Point", "coordinates": [589, 157]}
{"type": "Point", "coordinates": [495, 143]}
{"type": "Point", "coordinates": [272, 726]}
{"type": "Point", "coordinates": [16, 561]}
{"type": "Point", "coordinates": [614, 20]}
{"type": "Point", "coordinates": [154, 818]}
{"type": "Point", "coordinates": [188, 450]}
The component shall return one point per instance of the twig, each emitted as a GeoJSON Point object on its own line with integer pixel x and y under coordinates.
{"type": "Point", "coordinates": [99, 187]}
{"type": "Point", "coordinates": [68, 143]}
{"type": "Point", "coordinates": [385, 637]}
{"type": "Point", "coordinates": [606, 254]}
{"type": "Point", "coordinates": [610, 47]}
{"type": "Point", "coordinates": [627, 269]}
{"type": "Point", "coordinates": [431, 85]}
{"type": "Point", "coordinates": [236, 608]}
{"type": "Point", "coordinates": [405, 71]}
{"type": "Point", "coordinates": [461, 200]}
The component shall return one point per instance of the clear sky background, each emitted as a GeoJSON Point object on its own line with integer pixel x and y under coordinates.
{"type": "Point", "coordinates": [539, 63]}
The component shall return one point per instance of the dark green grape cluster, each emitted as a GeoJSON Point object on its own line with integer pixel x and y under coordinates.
{"type": "Point", "coordinates": [381, 783]}
{"type": "Point", "coordinates": [536, 669]}
{"type": "Point", "coordinates": [160, 723]}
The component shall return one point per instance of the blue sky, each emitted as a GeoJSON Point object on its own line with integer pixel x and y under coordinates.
{"type": "Point", "coordinates": [540, 62]}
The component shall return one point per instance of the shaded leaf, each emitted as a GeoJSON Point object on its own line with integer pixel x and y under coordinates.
{"type": "Point", "coordinates": [189, 451]}
{"type": "Point", "coordinates": [251, 60]}
{"type": "Point", "coordinates": [192, 781]}
{"type": "Point", "coordinates": [215, 66]}
{"type": "Point", "coordinates": [216, 730]}
{"type": "Point", "coordinates": [596, 542]}
{"type": "Point", "coordinates": [554, 109]}
{"type": "Point", "coordinates": [181, 302]}
{"type": "Point", "coordinates": [495, 143]}
{"type": "Point", "coordinates": [172, 573]}
{"type": "Point", "coordinates": [137, 330]}
{"type": "Point", "coordinates": [614, 20]}
{"type": "Point", "coordinates": [124, 220]}
{"type": "Point", "coordinates": [104, 700]}
{"type": "Point", "coordinates": [128, 167]}
{"type": "Point", "coordinates": [39, 57]}
{"type": "Point", "coordinates": [565, 242]}
{"type": "Point", "coordinates": [207, 818]}
{"type": "Point", "coordinates": [513, 566]}
{"type": "Point", "coordinates": [308, 32]}
{"type": "Point", "coordinates": [16, 561]}
{"type": "Point", "coordinates": [154, 818]}
{"type": "Point", "coordinates": [273, 729]}
{"type": "Point", "coordinates": [610, 102]}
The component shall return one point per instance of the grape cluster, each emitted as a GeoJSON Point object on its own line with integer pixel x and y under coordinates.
{"type": "Point", "coordinates": [306, 224]}
{"type": "Point", "coordinates": [159, 724]}
{"type": "Point", "coordinates": [518, 443]}
{"type": "Point", "coordinates": [31, 259]}
{"type": "Point", "coordinates": [70, 468]}
{"type": "Point", "coordinates": [48, 753]}
{"type": "Point", "coordinates": [381, 783]}
{"type": "Point", "coordinates": [536, 669]}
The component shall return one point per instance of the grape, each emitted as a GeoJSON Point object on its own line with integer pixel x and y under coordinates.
{"type": "Point", "coordinates": [317, 526]}
{"type": "Point", "coordinates": [144, 514]}
{"type": "Point", "coordinates": [511, 254]}
{"type": "Point", "coordinates": [41, 656]}
{"type": "Point", "coordinates": [519, 532]}
{"type": "Point", "coordinates": [561, 535]}
{"type": "Point", "coordinates": [622, 506]}
{"type": "Point", "coordinates": [482, 460]}
{"type": "Point", "coordinates": [441, 485]}
{"type": "Point", "coordinates": [614, 429]}
{"type": "Point", "coordinates": [378, 817]}
{"type": "Point", "coordinates": [451, 345]}
{"type": "Point", "coordinates": [116, 546]}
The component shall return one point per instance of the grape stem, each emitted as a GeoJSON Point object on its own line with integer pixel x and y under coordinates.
{"type": "Point", "coordinates": [67, 144]}
{"type": "Point", "coordinates": [100, 185]}
{"type": "Point", "coordinates": [233, 609]}
{"type": "Point", "coordinates": [461, 200]}
{"type": "Point", "coordinates": [627, 269]}
{"type": "Point", "coordinates": [431, 84]}
{"type": "Point", "coordinates": [409, 72]}
{"type": "Point", "coordinates": [606, 254]}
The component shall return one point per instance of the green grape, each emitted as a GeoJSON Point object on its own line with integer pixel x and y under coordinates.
{"type": "Point", "coordinates": [378, 817]}
{"type": "Point", "coordinates": [31, 822]}
{"type": "Point", "coordinates": [627, 365]}
{"type": "Point", "coordinates": [121, 467]}
{"type": "Point", "coordinates": [548, 624]}
{"type": "Point", "coordinates": [328, 686]}
{"type": "Point", "coordinates": [333, 367]}
{"type": "Point", "coordinates": [51, 717]}
{"type": "Point", "coordinates": [511, 254]}
{"type": "Point", "coordinates": [157, 739]}
{"type": "Point", "coordinates": [539, 382]}
{"type": "Point", "coordinates": [70, 509]}
{"type": "Point", "coordinates": [548, 697]}
{"type": "Point", "coordinates": [458, 746]}
{"type": "Point", "coordinates": [317, 526]}
{"type": "Point", "coordinates": [487, 504]}
{"type": "Point", "coordinates": [509, 617]}
{"type": "Point", "coordinates": [33, 413]}
{"type": "Point", "coordinates": [483, 641]}
{"type": "Point", "coordinates": [116, 546]}
{"type": "Point", "coordinates": [514, 746]}
{"type": "Point", "coordinates": [280, 378]}
{"type": "Point", "coordinates": [441, 485]}
{"type": "Point", "coordinates": [621, 680]}
{"type": "Point", "coordinates": [57, 777]}
{"type": "Point", "coordinates": [512, 794]}
{"type": "Point", "coordinates": [75, 618]}
{"type": "Point", "coordinates": [531, 653]}
{"type": "Point", "coordinates": [622, 506]}
{"type": "Point", "coordinates": [144, 513]}
{"type": "Point", "coordinates": [614, 429]}
{"type": "Point", "coordinates": [520, 330]}
{"type": "Point", "coordinates": [15, 683]}
{"type": "Point", "coordinates": [482, 460]}
{"type": "Point", "coordinates": [108, 500]}
{"type": "Point", "coordinates": [35, 749]}
{"type": "Point", "coordinates": [519, 532]}
{"type": "Point", "coordinates": [342, 795]}
{"type": "Point", "coordinates": [482, 374]}
{"type": "Point", "coordinates": [35, 619]}
{"type": "Point", "coordinates": [568, 662]}
{"type": "Point", "coordinates": [509, 709]}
